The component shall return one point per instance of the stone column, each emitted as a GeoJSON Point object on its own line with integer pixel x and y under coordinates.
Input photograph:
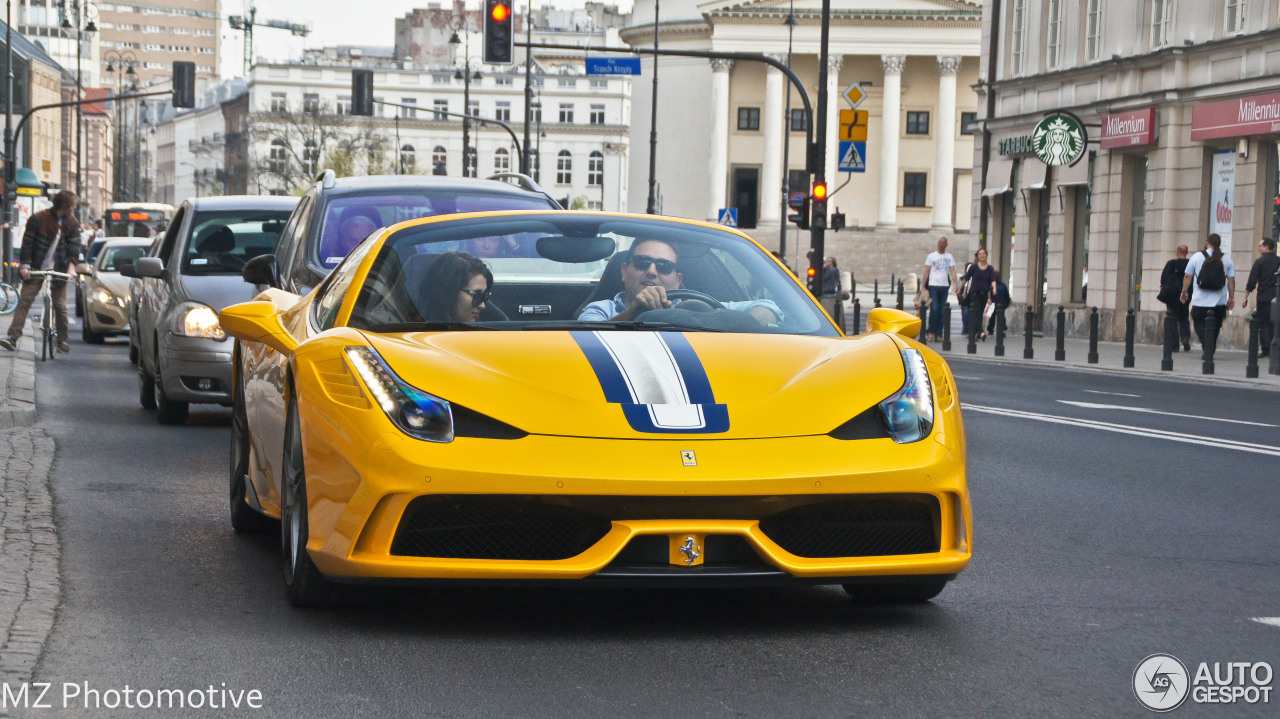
{"type": "Point", "coordinates": [889, 130]}
{"type": "Point", "coordinates": [775, 127]}
{"type": "Point", "coordinates": [945, 139]}
{"type": "Point", "coordinates": [834, 104]}
{"type": "Point", "coordinates": [718, 178]}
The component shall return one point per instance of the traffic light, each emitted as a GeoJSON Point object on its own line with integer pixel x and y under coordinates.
{"type": "Point", "coordinates": [819, 196]}
{"type": "Point", "coordinates": [800, 203]}
{"type": "Point", "coordinates": [362, 92]}
{"type": "Point", "coordinates": [499, 34]}
{"type": "Point", "coordinates": [184, 84]}
{"type": "Point", "coordinates": [811, 281]}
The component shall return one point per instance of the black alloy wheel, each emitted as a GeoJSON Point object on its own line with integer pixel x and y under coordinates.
{"type": "Point", "coordinates": [304, 584]}
{"type": "Point", "coordinates": [244, 518]}
{"type": "Point", "coordinates": [895, 592]}
{"type": "Point", "coordinates": [168, 411]}
{"type": "Point", "coordinates": [88, 335]}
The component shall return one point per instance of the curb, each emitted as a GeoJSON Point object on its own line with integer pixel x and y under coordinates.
{"type": "Point", "coordinates": [1117, 371]}
{"type": "Point", "coordinates": [19, 408]}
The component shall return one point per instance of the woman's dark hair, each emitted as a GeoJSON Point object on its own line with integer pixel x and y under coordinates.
{"type": "Point", "coordinates": [1215, 242]}
{"type": "Point", "coordinates": [448, 274]}
{"type": "Point", "coordinates": [981, 249]}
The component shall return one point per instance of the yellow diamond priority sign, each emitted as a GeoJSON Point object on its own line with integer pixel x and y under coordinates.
{"type": "Point", "coordinates": [854, 94]}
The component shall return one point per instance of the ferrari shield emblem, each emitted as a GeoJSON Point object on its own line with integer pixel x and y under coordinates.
{"type": "Point", "coordinates": [688, 458]}
{"type": "Point", "coordinates": [686, 549]}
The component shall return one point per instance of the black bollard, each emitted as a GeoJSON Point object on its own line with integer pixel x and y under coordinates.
{"type": "Point", "coordinates": [901, 297]}
{"type": "Point", "coordinates": [1274, 366]}
{"type": "Point", "coordinates": [857, 316]}
{"type": "Point", "coordinates": [876, 293]}
{"type": "Point", "coordinates": [1251, 365]}
{"type": "Point", "coordinates": [1130, 325]}
{"type": "Point", "coordinates": [1093, 336]}
{"type": "Point", "coordinates": [1060, 353]}
{"type": "Point", "coordinates": [924, 324]}
{"type": "Point", "coordinates": [1210, 341]}
{"type": "Point", "coordinates": [1027, 352]}
{"type": "Point", "coordinates": [1170, 341]}
{"type": "Point", "coordinates": [975, 319]}
{"type": "Point", "coordinates": [999, 333]}
{"type": "Point", "coordinates": [946, 327]}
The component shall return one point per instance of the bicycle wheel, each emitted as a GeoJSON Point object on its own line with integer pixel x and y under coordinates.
{"type": "Point", "coordinates": [48, 345]}
{"type": "Point", "coordinates": [8, 298]}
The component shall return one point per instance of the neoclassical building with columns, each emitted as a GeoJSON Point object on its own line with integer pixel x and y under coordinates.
{"type": "Point", "coordinates": [728, 136]}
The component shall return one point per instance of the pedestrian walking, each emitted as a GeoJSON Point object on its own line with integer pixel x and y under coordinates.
{"type": "Point", "coordinates": [1262, 277]}
{"type": "Point", "coordinates": [1210, 285]}
{"type": "Point", "coordinates": [50, 242]}
{"type": "Point", "coordinates": [1171, 295]}
{"type": "Point", "coordinates": [980, 278]}
{"type": "Point", "coordinates": [832, 293]}
{"type": "Point", "coordinates": [1001, 303]}
{"type": "Point", "coordinates": [939, 276]}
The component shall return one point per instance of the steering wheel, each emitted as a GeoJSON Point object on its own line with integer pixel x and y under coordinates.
{"type": "Point", "coordinates": [674, 295]}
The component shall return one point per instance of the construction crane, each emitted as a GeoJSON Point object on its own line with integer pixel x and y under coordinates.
{"type": "Point", "coordinates": [249, 21]}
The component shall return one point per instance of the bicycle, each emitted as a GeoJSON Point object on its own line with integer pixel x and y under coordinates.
{"type": "Point", "coordinates": [49, 335]}
{"type": "Point", "coordinates": [8, 298]}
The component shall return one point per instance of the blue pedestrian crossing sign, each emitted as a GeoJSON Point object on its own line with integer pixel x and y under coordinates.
{"type": "Point", "coordinates": [729, 217]}
{"type": "Point", "coordinates": [853, 156]}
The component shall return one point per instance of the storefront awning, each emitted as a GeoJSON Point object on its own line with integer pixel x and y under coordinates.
{"type": "Point", "coordinates": [1033, 175]}
{"type": "Point", "coordinates": [1072, 175]}
{"type": "Point", "coordinates": [999, 173]}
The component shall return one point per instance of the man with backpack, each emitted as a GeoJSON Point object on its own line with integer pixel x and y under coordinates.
{"type": "Point", "coordinates": [1210, 284]}
{"type": "Point", "coordinates": [1171, 295]}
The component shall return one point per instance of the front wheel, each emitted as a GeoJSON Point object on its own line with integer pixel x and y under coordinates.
{"type": "Point", "coordinates": [304, 584]}
{"type": "Point", "coordinates": [146, 388]}
{"type": "Point", "coordinates": [896, 592]}
{"type": "Point", "coordinates": [244, 519]}
{"type": "Point", "coordinates": [88, 335]}
{"type": "Point", "coordinates": [168, 411]}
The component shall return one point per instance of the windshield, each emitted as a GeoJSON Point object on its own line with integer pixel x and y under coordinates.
{"type": "Point", "coordinates": [348, 220]}
{"type": "Point", "coordinates": [221, 242]}
{"type": "Point", "coordinates": [579, 271]}
{"type": "Point", "coordinates": [113, 257]}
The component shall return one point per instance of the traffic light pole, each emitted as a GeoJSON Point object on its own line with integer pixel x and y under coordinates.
{"type": "Point", "coordinates": [818, 158]}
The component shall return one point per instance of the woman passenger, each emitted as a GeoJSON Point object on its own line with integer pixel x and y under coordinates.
{"type": "Point", "coordinates": [455, 288]}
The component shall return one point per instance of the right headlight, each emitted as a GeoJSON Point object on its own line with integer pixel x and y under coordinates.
{"type": "Point", "coordinates": [416, 413]}
{"type": "Point", "coordinates": [908, 413]}
{"type": "Point", "coordinates": [196, 320]}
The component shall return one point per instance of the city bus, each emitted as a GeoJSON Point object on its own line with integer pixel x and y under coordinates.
{"type": "Point", "coordinates": [136, 219]}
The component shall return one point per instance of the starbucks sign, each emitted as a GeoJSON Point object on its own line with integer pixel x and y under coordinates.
{"type": "Point", "coordinates": [1059, 139]}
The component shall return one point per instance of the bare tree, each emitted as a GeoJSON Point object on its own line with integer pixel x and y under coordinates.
{"type": "Point", "coordinates": [302, 141]}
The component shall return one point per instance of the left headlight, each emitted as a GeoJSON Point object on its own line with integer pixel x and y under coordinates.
{"type": "Point", "coordinates": [416, 413]}
{"type": "Point", "coordinates": [908, 413]}
{"type": "Point", "coordinates": [102, 295]}
{"type": "Point", "coordinates": [196, 320]}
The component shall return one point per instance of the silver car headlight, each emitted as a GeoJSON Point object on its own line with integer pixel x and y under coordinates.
{"type": "Point", "coordinates": [908, 413]}
{"type": "Point", "coordinates": [416, 413]}
{"type": "Point", "coordinates": [102, 295]}
{"type": "Point", "coordinates": [196, 320]}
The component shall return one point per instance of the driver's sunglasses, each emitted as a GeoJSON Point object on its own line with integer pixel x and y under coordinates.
{"type": "Point", "coordinates": [478, 297]}
{"type": "Point", "coordinates": [642, 262]}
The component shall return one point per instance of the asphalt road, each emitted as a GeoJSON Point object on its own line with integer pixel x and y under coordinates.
{"type": "Point", "coordinates": [1095, 546]}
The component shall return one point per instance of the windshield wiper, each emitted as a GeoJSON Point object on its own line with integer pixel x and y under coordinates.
{"type": "Point", "coordinates": [625, 325]}
{"type": "Point", "coordinates": [425, 326]}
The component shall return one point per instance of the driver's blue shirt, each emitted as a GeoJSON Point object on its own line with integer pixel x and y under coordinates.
{"type": "Point", "coordinates": [607, 309]}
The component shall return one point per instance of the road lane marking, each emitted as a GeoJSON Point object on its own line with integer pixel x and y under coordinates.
{"type": "Point", "coordinates": [1113, 394]}
{"type": "Point", "coordinates": [1128, 429]}
{"type": "Point", "coordinates": [963, 376]}
{"type": "Point", "coordinates": [1273, 621]}
{"type": "Point", "coordinates": [1091, 405]}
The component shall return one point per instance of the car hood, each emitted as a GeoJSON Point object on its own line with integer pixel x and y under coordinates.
{"type": "Point", "coordinates": [651, 385]}
{"type": "Point", "coordinates": [217, 291]}
{"type": "Point", "coordinates": [116, 283]}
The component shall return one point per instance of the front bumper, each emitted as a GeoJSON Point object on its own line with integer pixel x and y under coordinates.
{"type": "Point", "coordinates": [186, 361]}
{"type": "Point", "coordinates": [106, 318]}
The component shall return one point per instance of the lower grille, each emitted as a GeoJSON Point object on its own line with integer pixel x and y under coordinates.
{"type": "Point", "coordinates": [857, 528]}
{"type": "Point", "coordinates": [489, 528]}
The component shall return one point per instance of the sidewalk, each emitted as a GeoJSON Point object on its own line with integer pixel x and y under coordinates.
{"type": "Point", "coordinates": [18, 371]}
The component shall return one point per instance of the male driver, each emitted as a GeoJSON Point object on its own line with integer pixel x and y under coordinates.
{"type": "Point", "coordinates": [939, 275]}
{"type": "Point", "coordinates": [646, 277]}
{"type": "Point", "coordinates": [51, 242]}
{"type": "Point", "coordinates": [1262, 277]}
{"type": "Point", "coordinates": [1209, 299]}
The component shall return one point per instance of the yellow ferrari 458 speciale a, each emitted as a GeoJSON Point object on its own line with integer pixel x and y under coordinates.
{"type": "Point", "coordinates": [589, 397]}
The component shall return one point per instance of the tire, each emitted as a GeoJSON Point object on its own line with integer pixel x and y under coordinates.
{"type": "Point", "coordinates": [133, 354]}
{"type": "Point", "coordinates": [895, 592]}
{"type": "Point", "coordinates": [304, 584]}
{"type": "Point", "coordinates": [88, 335]}
{"type": "Point", "coordinates": [146, 388]}
{"type": "Point", "coordinates": [167, 411]}
{"type": "Point", "coordinates": [244, 519]}
{"type": "Point", "coordinates": [79, 301]}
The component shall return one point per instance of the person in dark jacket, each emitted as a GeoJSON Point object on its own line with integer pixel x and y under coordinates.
{"type": "Point", "coordinates": [1262, 277]}
{"type": "Point", "coordinates": [1171, 287]}
{"type": "Point", "coordinates": [51, 242]}
{"type": "Point", "coordinates": [981, 278]}
{"type": "Point", "coordinates": [1001, 303]}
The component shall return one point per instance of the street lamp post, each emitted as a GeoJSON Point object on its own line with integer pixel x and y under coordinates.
{"type": "Point", "coordinates": [459, 22]}
{"type": "Point", "coordinates": [10, 172]}
{"type": "Point", "coordinates": [121, 65]}
{"type": "Point", "coordinates": [84, 12]}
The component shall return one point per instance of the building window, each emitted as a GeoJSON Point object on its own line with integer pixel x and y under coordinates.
{"type": "Point", "coordinates": [917, 123]}
{"type": "Point", "coordinates": [595, 169]}
{"type": "Point", "coordinates": [599, 84]}
{"type": "Point", "coordinates": [311, 102]}
{"type": "Point", "coordinates": [564, 168]}
{"type": "Point", "coordinates": [1018, 47]}
{"type": "Point", "coordinates": [279, 157]}
{"type": "Point", "coordinates": [968, 123]}
{"type": "Point", "coordinates": [597, 114]}
{"type": "Point", "coordinates": [441, 107]}
{"type": "Point", "coordinates": [913, 189]}
{"type": "Point", "coordinates": [344, 104]}
{"type": "Point", "coordinates": [799, 120]}
{"type": "Point", "coordinates": [408, 161]}
{"type": "Point", "coordinates": [311, 155]}
{"type": "Point", "coordinates": [536, 115]}
{"type": "Point", "coordinates": [279, 102]}
{"type": "Point", "coordinates": [501, 160]}
{"type": "Point", "coordinates": [1053, 55]}
{"type": "Point", "coordinates": [408, 113]}
{"type": "Point", "coordinates": [535, 165]}
{"type": "Point", "coordinates": [441, 79]}
{"type": "Point", "coordinates": [1093, 31]}
{"type": "Point", "coordinates": [1161, 19]}
{"type": "Point", "coordinates": [502, 80]}
{"type": "Point", "coordinates": [473, 108]}
{"type": "Point", "coordinates": [748, 118]}
{"type": "Point", "coordinates": [439, 160]}
{"type": "Point", "coordinates": [566, 82]}
{"type": "Point", "coordinates": [1234, 17]}
{"type": "Point", "coordinates": [566, 112]}
{"type": "Point", "coordinates": [502, 111]}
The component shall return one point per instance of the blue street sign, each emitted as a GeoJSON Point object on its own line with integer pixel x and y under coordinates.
{"type": "Point", "coordinates": [729, 217]}
{"type": "Point", "coordinates": [853, 156]}
{"type": "Point", "coordinates": [613, 66]}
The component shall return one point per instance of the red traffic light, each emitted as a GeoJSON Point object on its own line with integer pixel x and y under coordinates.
{"type": "Point", "coordinates": [500, 12]}
{"type": "Point", "coordinates": [819, 191]}
{"type": "Point", "coordinates": [813, 272]}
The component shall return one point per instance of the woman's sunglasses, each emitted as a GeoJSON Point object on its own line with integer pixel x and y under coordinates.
{"type": "Point", "coordinates": [642, 262]}
{"type": "Point", "coordinates": [478, 297]}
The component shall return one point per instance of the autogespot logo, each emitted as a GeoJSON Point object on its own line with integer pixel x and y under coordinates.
{"type": "Point", "coordinates": [1160, 682]}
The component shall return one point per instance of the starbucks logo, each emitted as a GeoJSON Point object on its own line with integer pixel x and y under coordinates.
{"type": "Point", "coordinates": [1058, 140]}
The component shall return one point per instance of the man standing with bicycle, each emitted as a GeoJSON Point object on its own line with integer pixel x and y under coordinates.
{"type": "Point", "coordinates": [51, 242]}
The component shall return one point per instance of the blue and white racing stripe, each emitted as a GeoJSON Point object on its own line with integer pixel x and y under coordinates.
{"type": "Point", "coordinates": [657, 378]}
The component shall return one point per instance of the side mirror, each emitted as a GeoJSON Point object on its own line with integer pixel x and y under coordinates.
{"type": "Point", "coordinates": [257, 321]}
{"type": "Point", "coordinates": [84, 268]}
{"type": "Point", "coordinates": [127, 269]}
{"type": "Point", "coordinates": [262, 270]}
{"type": "Point", "coordinates": [887, 319]}
{"type": "Point", "coordinates": [149, 267]}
